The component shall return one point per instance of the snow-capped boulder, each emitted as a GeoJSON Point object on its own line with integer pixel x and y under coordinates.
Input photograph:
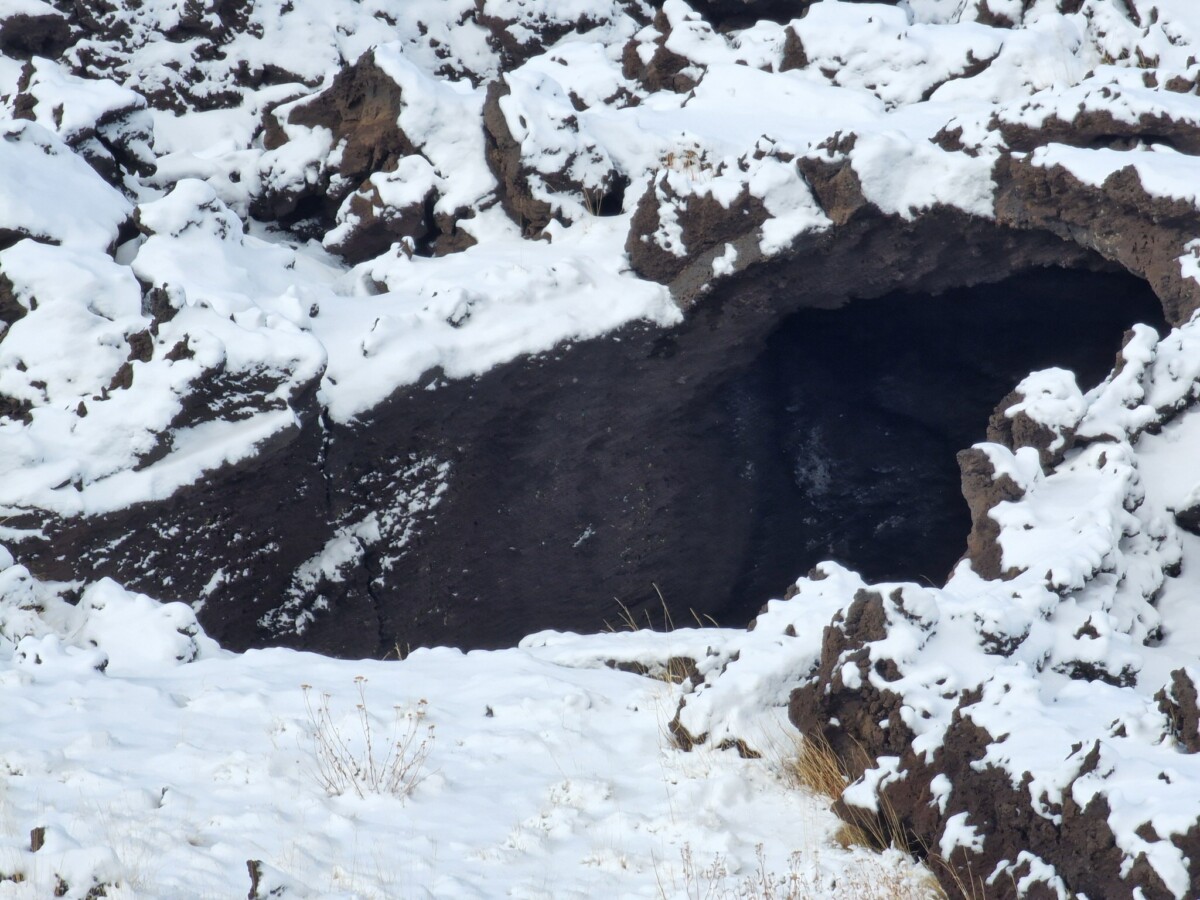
{"type": "Point", "coordinates": [366, 161]}
{"type": "Point", "coordinates": [107, 125]}
{"type": "Point", "coordinates": [519, 31]}
{"type": "Point", "coordinates": [655, 61]}
{"type": "Point", "coordinates": [50, 194]}
{"type": "Point", "coordinates": [547, 167]}
{"type": "Point", "coordinates": [1043, 412]}
{"type": "Point", "coordinates": [1180, 703]}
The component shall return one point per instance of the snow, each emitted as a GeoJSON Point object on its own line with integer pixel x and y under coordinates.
{"type": "Point", "coordinates": [50, 194]}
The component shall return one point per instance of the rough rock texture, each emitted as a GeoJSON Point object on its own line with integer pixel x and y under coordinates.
{"type": "Point", "coordinates": [26, 34]}
{"type": "Point", "coordinates": [955, 764]}
{"type": "Point", "coordinates": [648, 61]}
{"type": "Point", "coordinates": [517, 34]}
{"type": "Point", "coordinates": [983, 488]}
{"type": "Point", "coordinates": [706, 224]}
{"type": "Point", "coordinates": [1180, 702]}
{"type": "Point", "coordinates": [115, 136]}
{"type": "Point", "coordinates": [871, 728]}
{"type": "Point", "coordinates": [360, 110]}
{"type": "Point", "coordinates": [611, 438]}
{"type": "Point", "coordinates": [379, 224]}
{"type": "Point", "coordinates": [1119, 219]}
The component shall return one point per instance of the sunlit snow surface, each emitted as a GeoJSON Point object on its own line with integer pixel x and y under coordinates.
{"type": "Point", "coordinates": [549, 774]}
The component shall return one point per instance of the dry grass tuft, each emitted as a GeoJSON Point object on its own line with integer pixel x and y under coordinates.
{"type": "Point", "coordinates": [674, 670]}
{"type": "Point", "coordinates": [813, 765]}
{"type": "Point", "coordinates": [356, 759]}
{"type": "Point", "coordinates": [866, 878]}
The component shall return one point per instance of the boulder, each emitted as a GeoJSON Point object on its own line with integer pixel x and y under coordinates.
{"type": "Point", "coordinates": [359, 111]}
{"type": "Point", "coordinates": [33, 28]}
{"type": "Point", "coordinates": [548, 168]}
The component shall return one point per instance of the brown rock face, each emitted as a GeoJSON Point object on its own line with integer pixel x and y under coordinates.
{"type": "Point", "coordinates": [11, 309]}
{"type": "Point", "coordinates": [504, 159]}
{"type": "Point", "coordinates": [706, 226]}
{"type": "Point", "coordinates": [361, 109]}
{"type": "Point", "coordinates": [794, 55]}
{"type": "Point", "coordinates": [1119, 219]}
{"type": "Point", "coordinates": [870, 717]}
{"type": "Point", "coordinates": [665, 69]}
{"type": "Point", "coordinates": [1021, 430]}
{"type": "Point", "coordinates": [983, 491]}
{"type": "Point", "coordinates": [1180, 703]}
{"type": "Point", "coordinates": [862, 725]}
{"type": "Point", "coordinates": [1097, 128]}
{"type": "Point", "coordinates": [516, 40]}
{"type": "Point", "coordinates": [378, 225]}
{"type": "Point", "coordinates": [523, 186]}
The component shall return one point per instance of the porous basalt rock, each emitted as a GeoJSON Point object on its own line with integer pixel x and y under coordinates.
{"type": "Point", "coordinates": [374, 225]}
{"type": "Point", "coordinates": [930, 797]}
{"type": "Point", "coordinates": [528, 193]}
{"type": "Point", "coordinates": [1099, 128]}
{"type": "Point", "coordinates": [1119, 219]}
{"type": "Point", "coordinates": [504, 159]}
{"type": "Point", "coordinates": [794, 56]}
{"type": "Point", "coordinates": [11, 309]}
{"type": "Point", "coordinates": [360, 109]}
{"type": "Point", "coordinates": [984, 489]}
{"type": "Point", "coordinates": [869, 718]}
{"type": "Point", "coordinates": [518, 38]}
{"type": "Point", "coordinates": [648, 61]}
{"type": "Point", "coordinates": [1016, 428]}
{"type": "Point", "coordinates": [1180, 703]}
{"type": "Point", "coordinates": [704, 223]}
{"type": "Point", "coordinates": [25, 34]}
{"type": "Point", "coordinates": [346, 202]}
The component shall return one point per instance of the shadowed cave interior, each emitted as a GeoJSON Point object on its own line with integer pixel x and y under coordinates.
{"type": "Point", "coordinates": [849, 422]}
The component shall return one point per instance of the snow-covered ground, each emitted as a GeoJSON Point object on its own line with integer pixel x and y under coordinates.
{"type": "Point", "coordinates": [545, 773]}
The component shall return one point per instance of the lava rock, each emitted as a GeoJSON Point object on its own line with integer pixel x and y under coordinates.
{"type": "Point", "coordinates": [1043, 412]}
{"type": "Point", "coordinates": [391, 207]}
{"type": "Point", "coordinates": [26, 34]}
{"type": "Point", "coordinates": [648, 61]}
{"type": "Point", "coordinates": [1121, 219]}
{"type": "Point", "coordinates": [704, 224]}
{"type": "Point", "coordinates": [984, 489]}
{"type": "Point", "coordinates": [562, 177]}
{"type": "Point", "coordinates": [360, 109]}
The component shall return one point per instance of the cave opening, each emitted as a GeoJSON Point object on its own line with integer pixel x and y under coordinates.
{"type": "Point", "coordinates": [848, 422]}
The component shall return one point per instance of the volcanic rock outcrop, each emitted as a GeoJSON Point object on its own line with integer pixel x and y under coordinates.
{"type": "Point", "coordinates": [525, 386]}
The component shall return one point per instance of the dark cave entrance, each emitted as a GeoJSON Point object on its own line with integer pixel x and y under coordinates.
{"type": "Point", "coordinates": [848, 423]}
